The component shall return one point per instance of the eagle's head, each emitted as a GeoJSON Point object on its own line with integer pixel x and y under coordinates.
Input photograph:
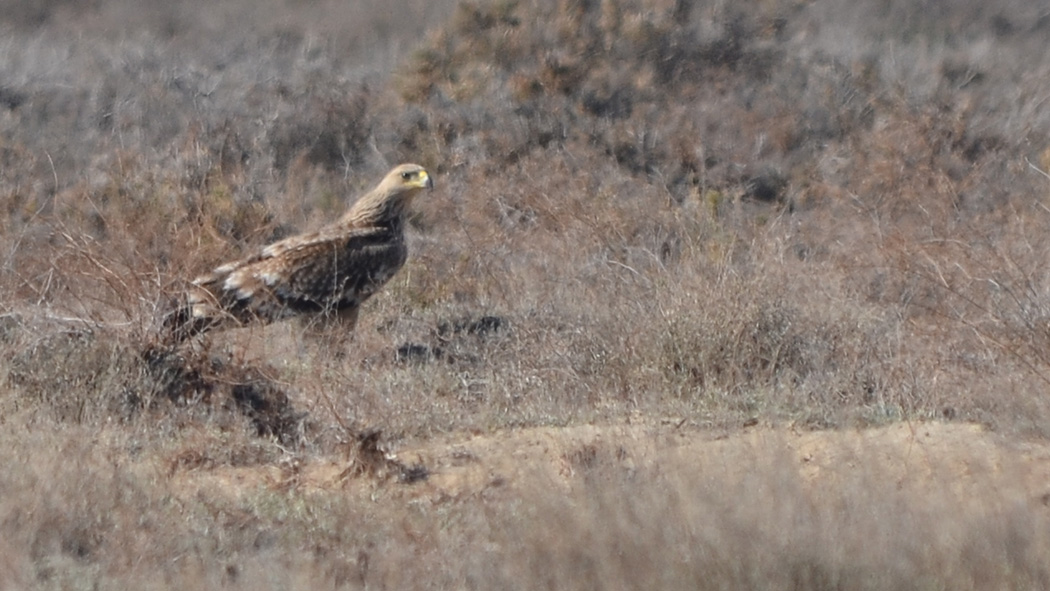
{"type": "Point", "coordinates": [393, 194]}
{"type": "Point", "coordinates": [408, 177]}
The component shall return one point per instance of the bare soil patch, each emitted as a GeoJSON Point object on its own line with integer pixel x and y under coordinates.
{"type": "Point", "coordinates": [974, 465]}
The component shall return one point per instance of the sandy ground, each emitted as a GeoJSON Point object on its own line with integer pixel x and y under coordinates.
{"type": "Point", "coordinates": [965, 460]}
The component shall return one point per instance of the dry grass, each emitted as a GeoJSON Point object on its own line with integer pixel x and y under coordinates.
{"type": "Point", "coordinates": [576, 511]}
{"type": "Point", "coordinates": [691, 216]}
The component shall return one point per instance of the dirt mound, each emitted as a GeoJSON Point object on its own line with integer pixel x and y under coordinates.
{"type": "Point", "coordinates": [916, 457]}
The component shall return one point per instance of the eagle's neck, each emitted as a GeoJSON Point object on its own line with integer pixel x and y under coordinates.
{"type": "Point", "coordinates": [379, 210]}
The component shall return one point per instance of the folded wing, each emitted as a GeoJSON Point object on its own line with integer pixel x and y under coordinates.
{"type": "Point", "coordinates": [327, 272]}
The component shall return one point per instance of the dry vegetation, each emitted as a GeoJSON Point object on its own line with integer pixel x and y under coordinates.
{"type": "Point", "coordinates": [710, 295]}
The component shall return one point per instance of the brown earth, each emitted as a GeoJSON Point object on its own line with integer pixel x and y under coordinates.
{"type": "Point", "coordinates": [966, 461]}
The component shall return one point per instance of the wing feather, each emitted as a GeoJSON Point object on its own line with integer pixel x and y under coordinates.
{"type": "Point", "coordinates": [323, 271]}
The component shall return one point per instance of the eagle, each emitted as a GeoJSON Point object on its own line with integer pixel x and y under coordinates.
{"type": "Point", "coordinates": [319, 276]}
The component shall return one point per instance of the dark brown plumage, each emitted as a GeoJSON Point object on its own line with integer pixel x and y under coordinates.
{"type": "Point", "coordinates": [325, 274]}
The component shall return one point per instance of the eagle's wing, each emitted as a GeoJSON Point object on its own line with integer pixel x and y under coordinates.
{"type": "Point", "coordinates": [333, 269]}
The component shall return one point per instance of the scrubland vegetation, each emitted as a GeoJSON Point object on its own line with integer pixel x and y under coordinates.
{"type": "Point", "coordinates": [710, 295]}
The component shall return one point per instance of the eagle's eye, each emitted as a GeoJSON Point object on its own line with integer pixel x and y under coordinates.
{"type": "Point", "coordinates": [406, 175]}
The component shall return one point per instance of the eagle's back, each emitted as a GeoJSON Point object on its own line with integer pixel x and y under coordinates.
{"type": "Point", "coordinates": [324, 273]}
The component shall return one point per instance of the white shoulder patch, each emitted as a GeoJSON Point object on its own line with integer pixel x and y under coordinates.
{"type": "Point", "coordinates": [234, 282]}
{"type": "Point", "coordinates": [270, 278]}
